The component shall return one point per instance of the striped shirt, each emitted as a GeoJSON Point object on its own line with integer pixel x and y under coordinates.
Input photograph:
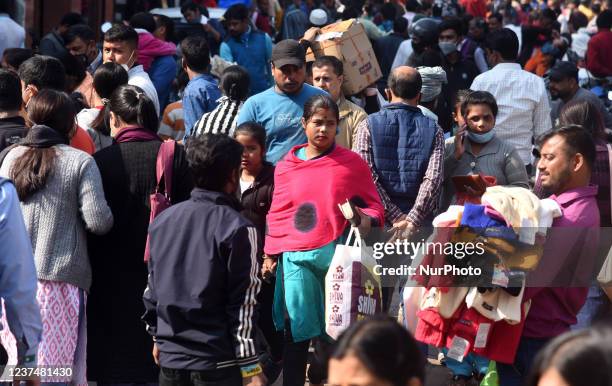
{"type": "Point", "coordinates": [524, 110]}
{"type": "Point", "coordinates": [429, 191]}
{"type": "Point", "coordinates": [222, 120]}
{"type": "Point", "coordinates": [173, 124]}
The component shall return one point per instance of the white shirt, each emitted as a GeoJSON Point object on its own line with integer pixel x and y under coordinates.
{"type": "Point", "coordinates": [403, 53]}
{"type": "Point", "coordinates": [138, 77]}
{"type": "Point", "coordinates": [12, 35]}
{"type": "Point", "coordinates": [524, 109]}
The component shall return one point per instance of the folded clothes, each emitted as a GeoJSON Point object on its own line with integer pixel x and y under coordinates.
{"type": "Point", "coordinates": [519, 206]}
{"type": "Point", "coordinates": [474, 216]}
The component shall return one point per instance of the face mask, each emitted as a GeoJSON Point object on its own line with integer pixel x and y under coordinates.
{"type": "Point", "coordinates": [418, 47]}
{"type": "Point", "coordinates": [82, 58]}
{"type": "Point", "coordinates": [447, 48]}
{"type": "Point", "coordinates": [125, 66]}
{"type": "Point", "coordinates": [481, 137]}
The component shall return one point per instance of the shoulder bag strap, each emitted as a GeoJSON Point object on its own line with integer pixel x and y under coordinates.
{"type": "Point", "coordinates": [164, 167]}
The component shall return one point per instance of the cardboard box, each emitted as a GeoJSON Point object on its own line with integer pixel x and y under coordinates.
{"type": "Point", "coordinates": [347, 40]}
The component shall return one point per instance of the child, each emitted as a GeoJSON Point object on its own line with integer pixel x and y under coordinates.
{"type": "Point", "coordinates": [222, 120]}
{"type": "Point", "coordinates": [256, 188]}
{"type": "Point", "coordinates": [202, 92]}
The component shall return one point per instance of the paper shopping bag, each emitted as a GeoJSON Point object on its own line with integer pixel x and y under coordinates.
{"type": "Point", "coordinates": [352, 291]}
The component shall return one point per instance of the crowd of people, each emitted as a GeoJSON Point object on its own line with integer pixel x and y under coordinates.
{"type": "Point", "coordinates": [249, 150]}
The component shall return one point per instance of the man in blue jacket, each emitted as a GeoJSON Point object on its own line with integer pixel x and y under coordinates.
{"type": "Point", "coordinates": [200, 299]}
{"type": "Point", "coordinates": [249, 48]}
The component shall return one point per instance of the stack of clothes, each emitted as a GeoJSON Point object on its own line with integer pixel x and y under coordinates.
{"type": "Point", "coordinates": [484, 316]}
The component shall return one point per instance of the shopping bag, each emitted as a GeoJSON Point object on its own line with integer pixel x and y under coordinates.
{"type": "Point", "coordinates": [161, 199]}
{"type": "Point", "coordinates": [352, 291]}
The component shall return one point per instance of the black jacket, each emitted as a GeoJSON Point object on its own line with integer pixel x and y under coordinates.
{"type": "Point", "coordinates": [257, 199]}
{"type": "Point", "coordinates": [200, 299]}
{"type": "Point", "coordinates": [119, 348]}
{"type": "Point", "coordinates": [12, 130]}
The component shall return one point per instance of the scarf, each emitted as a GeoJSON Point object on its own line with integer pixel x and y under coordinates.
{"type": "Point", "coordinates": [42, 136]}
{"type": "Point", "coordinates": [135, 134]}
{"type": "Point", "coordinates": [305, 215]}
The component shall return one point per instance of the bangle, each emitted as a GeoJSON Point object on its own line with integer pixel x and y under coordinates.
{"type": "Point", "coordinates": [250, 371]}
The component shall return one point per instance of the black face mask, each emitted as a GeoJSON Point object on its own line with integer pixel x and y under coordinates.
{"type": "Point", "coordinates": [83, 59]}
{"type": "Point", "coordinates": [419, 47]}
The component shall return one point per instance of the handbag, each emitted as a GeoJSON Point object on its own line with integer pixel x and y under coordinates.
{"type": "Point", "coordinates": [352, 290]}
{"type": "Point", "coordinates": [161, 198]}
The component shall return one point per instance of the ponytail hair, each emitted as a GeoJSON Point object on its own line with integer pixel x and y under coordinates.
{"type": "Point", "coordinates": [106, 79]}
{"type": "Point", "coordinates": [235, 83]}
{"type": "Point", "coordinates": [134, 107]}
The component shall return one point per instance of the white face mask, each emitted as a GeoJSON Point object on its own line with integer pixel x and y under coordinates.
{"type": "Point", "coordinates": [125, 66]}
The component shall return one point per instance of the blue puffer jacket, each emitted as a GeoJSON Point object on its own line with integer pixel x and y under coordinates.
{"type": "Point", "coordinates": [402, 142]}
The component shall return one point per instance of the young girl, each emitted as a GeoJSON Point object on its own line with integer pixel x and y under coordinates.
{"type": "Point", "coordinates": [256, 188]}
{"type": "Point", "coordinates": [304, 225]}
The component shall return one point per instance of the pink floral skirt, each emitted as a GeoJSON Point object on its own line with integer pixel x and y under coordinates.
{"type": "Point", "coordinates": [64, 337]}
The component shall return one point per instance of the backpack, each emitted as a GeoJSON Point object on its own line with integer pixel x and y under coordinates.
{"type": "Point", "coordinates": [161, 198]}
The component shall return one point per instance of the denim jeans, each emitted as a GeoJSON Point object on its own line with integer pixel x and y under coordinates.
{"type": "Point", "coordinates": [221, 377]}
{"type": "Point", "coordinates": [516, 373]}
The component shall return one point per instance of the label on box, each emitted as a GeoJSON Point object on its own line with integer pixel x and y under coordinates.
{"type": "Point", "coordinates": [458, 349]}
{"type": "Point", "coordinates": [482, 335]}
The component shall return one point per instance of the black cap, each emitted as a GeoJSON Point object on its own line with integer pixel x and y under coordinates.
{"type": "Point", "coordinates": [288, 52]}
{"type": "Point", "coordinates": [563, 70]}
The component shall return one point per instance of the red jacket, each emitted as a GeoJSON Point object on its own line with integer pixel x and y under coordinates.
{"type": "Point", "coordinates": [599, 54]}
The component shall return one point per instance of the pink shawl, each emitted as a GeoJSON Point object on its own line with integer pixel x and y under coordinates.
{"type": "Point", "coordinates": [304, 214]}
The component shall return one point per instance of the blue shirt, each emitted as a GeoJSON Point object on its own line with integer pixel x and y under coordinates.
{"type": "Point", "coordinates": [200, 97]}
{"type": "Point", "coordinates": [281, 115]}
{"type": "Point", "coordinates": [162, 73]}
{"type": "Point", "coordinates": [18, 279]}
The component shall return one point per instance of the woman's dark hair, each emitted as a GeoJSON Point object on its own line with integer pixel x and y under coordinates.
{"type": "Point", "coordinates": [320, 102]}
{"type": "Point", "coordinates": [212, 159]}
{"type": "Point", "coordinates": [479, 98]}
{"type": "Point", "coordinates": [107, 78]}
{"type": "Point", "coordinates": [134, 107]}
{"type": "Point", "coordinates": [31, 170]}
{"type": "Point", "coordinates": [585, 114]}
{"type": "Point", "coordinates": [234, 83]}
{"type": "Point", "coordinates": [385, 348]}
{"type": "Point", "coordinates": [253, 129]}
{"type": "Point", "coordinates": [581, 357]}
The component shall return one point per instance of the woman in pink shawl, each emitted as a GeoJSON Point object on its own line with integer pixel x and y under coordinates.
{"type": "Point", "coordinates": [304, 226]}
